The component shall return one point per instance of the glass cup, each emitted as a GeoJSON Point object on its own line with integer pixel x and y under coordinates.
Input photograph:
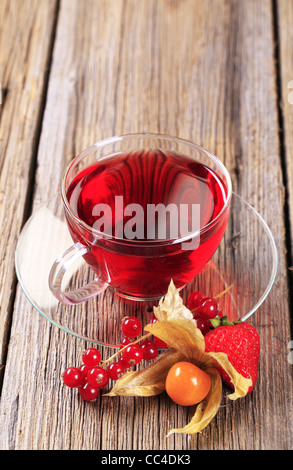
{"type": "Point", "coordinates": [141, 267]}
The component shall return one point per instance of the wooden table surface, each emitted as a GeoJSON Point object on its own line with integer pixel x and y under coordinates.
{"type": "Point", "coordinates": [217, 72]}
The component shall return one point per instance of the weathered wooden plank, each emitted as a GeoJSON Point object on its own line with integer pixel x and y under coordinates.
{"type": "Point", "coordinates": [204, 71]}
{"type": "Point", "coordinates": [284, 18]}
{"type": "Point", "coordinates": [25, 41]}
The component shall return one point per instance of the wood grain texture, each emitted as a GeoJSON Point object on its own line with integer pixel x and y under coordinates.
{"type": "Point", "coordinates": [204, 71]}
{"type": "Point", "coordinates": [284, 18]}
{"type": "Point", "coordinates": [25, 44]}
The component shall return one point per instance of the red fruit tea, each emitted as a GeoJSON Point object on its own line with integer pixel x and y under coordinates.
{"type": "Point", "coordinates": [134, 253]}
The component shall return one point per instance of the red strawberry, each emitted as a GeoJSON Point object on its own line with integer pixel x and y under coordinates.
{"type": "Point", "coordinates": [241, 343]}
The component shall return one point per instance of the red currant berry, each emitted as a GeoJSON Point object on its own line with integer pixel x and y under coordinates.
{"type": "Point", "coordinates": [153, 319]}
{"type": "Point", "coordinates": [73, 377]}
{"type": "Point", "coordinates": [203, 323]}
{"type": "Point", "coordinates": [124, 342]}
{"type": "Point", "coordinates": [209, 308]}
{"type": "Point", "coordinates": [124, 364]}
{"type": "Point", "coordinates": [150, 350]}
{"type": "Point", "coordinates": [84, 369]}
{"type": "Point", "coordinates": [88, 392]}
{"type": "Point", "coordinates": [91, 357]}
{"type": "Point", "coordinates": [115, 371]}
{"type": "Point", "coordinates": [133, 354]}
{"type": "Point", "coordinates": [97, 377]}
{"type": "Point", "coordinates": [131, 327]}
{"type": "Point", "coordinates": [194, 300]}
{"type": "Point", "coordinates": [161, 344]}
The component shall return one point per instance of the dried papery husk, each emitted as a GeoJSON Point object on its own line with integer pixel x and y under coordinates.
{"type": "Point", "coordinates": [205, 410]}
{"type": "Point", "coordinates": [241, 384]}
{"type": "Point", "coordinates": [149, 381]}
{"type": "Point", "coordinates": [180, 335]}
{"type": "Point", "coordinates": [177, 328]}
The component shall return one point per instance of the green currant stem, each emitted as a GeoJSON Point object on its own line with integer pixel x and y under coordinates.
{"type": "Point", "coordinates": [124, 347]}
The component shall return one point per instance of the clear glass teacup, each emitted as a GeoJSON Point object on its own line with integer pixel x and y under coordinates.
{"type": "Point", "coordinates": [141, 209]}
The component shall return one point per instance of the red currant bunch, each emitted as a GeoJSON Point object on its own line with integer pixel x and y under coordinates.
{"type": "Point", "coordinates": [194, 300]}
{"type": "Point", "coordinates": [89, 378]}
{"type": "Point", "coordinates": [132, 353]}
{"type": "Point", "coordinates": [204, 309]}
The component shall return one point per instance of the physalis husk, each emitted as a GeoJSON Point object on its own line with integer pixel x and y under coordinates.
{"type": "Point", "coordinates": [177, 328]}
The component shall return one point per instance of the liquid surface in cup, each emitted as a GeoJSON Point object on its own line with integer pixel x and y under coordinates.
{"type": "Point", "coordinates": [132, 262]}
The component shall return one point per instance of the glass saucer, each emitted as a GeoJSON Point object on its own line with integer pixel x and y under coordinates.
{"type": "Point", "coordinates": [245, 262]}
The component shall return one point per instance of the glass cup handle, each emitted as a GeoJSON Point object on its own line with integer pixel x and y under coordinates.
{"type": "Point", "coordinates": [59, 268]}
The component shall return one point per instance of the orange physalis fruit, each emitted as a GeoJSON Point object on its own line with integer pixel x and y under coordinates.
{"type": "Point", "coordinates": [187, 384]}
